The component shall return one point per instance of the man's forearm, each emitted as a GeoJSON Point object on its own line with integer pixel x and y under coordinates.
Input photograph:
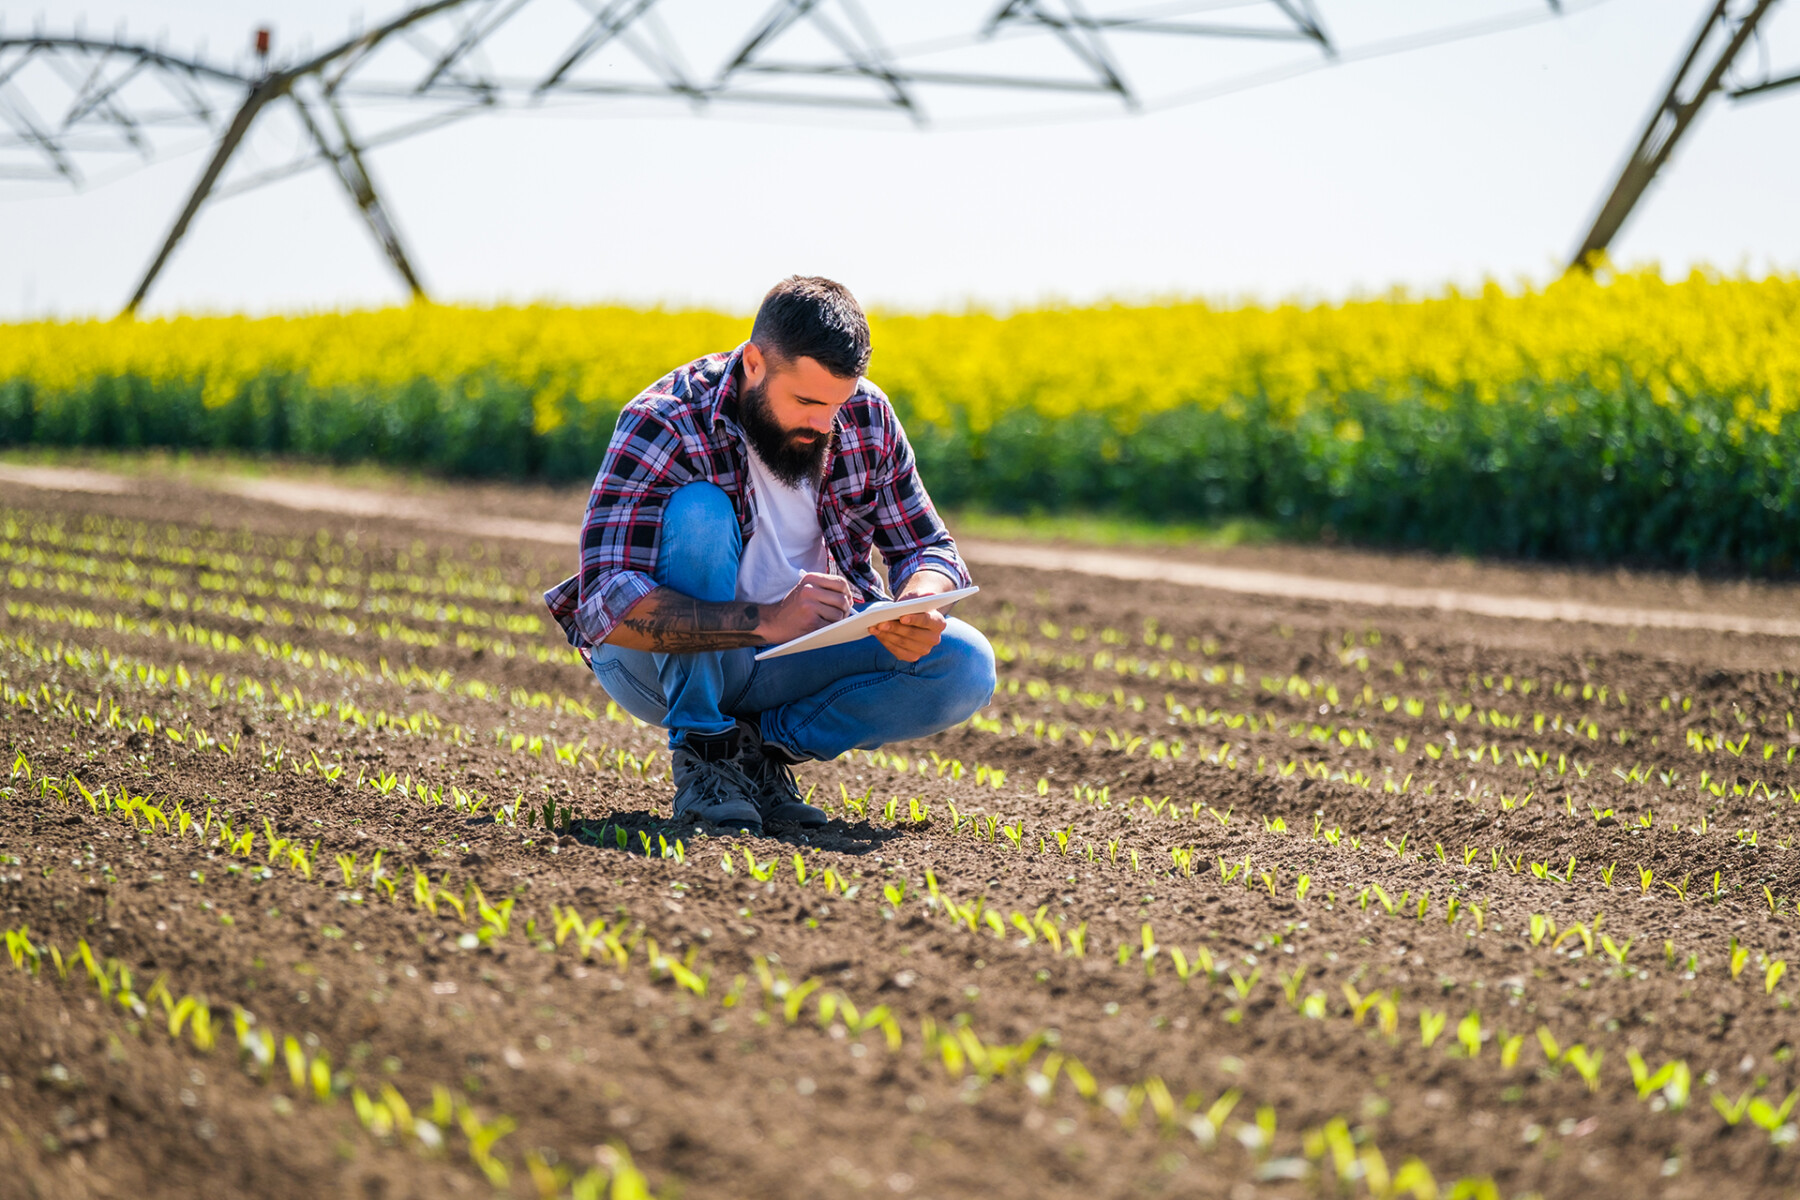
{"type": "Point", "coordinates": [667, 622]}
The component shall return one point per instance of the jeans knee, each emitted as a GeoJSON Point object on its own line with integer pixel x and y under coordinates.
{"type": "Point", "coordinates": [701, 543]}
{"type": "Point", "coordinates": [964, 665]}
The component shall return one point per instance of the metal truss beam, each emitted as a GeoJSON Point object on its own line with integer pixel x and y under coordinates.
{"type": "Point", "coordinates": [609, 24]}
{"type": "Point", "coordinates": [1077, 31]}
{"type": "Point", "coordinates": [1765, 87]}
{"type": "Point", "coordinates": [254, 103]}
{"type": "Point", "coordinates": [339, 148]}
{"type": "Point", "coordinates": [1697, 78]}
{"type": "Point", "coordinates": [346, 158]}
{"type": "Point", "coordinates": [114, 96]}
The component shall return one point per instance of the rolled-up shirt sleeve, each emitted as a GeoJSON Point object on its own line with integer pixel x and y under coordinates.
{"type": "Point", "coordinates": [908, 530]}
{"type": "Point", "coordinates": [622, 531]}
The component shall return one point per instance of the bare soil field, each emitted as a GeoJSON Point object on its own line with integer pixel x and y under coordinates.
{"type": "Point", "coordinates": [328, 870]}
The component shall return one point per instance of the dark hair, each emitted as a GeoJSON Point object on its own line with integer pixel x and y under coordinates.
{"type": "Point", "coordinates": [805, 316]}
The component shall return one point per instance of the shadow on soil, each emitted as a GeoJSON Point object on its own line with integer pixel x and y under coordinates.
{"type": "Point", "coordinates": [651, 836]}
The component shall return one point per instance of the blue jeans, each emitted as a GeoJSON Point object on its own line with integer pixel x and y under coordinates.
{"type": "Point", "coordinates": [816, 704]}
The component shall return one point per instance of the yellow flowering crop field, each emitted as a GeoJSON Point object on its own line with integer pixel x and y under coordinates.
{"type": "Point", "coordinates": [1632, 418]}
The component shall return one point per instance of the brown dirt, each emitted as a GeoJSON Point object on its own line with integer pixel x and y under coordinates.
{"type": "Point", "coordinates": [115, 600]}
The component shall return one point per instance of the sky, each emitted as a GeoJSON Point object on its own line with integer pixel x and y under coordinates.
{"type": "Point", "coordinates": [1478, 159]}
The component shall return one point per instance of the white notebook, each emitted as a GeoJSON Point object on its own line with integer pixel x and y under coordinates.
{"type": "Point", "coordinates": [857, 625]}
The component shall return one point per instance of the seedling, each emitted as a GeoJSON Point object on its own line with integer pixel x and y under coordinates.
{"type": "Point", "coordinates": [1242, 985]}
{"type": "Point", "coordinates": [1291, 985]}
{"type": "Point", "coordinates": [424, 896]}
{"type": "Point", "coordinates": [1663, 1078]}
{"type": "Point", "coordinates": [1577, 930]}
{"type": "Point", "coordinates": [1468, 1034]}
{"type": "Point", "coordinates": [761, 872]}
{"type": "Point", "coordinates": [1771, 1117]}
{"type": "Point", "coordinates": [1359, 1004]}
{"type": "Point", "coordinates": [1186, 969]}
{"type": "Point", "coordinates": [1739, 956]}
{"type": "Point", "coordinates": [1586, 1064]}
{"type": "Point", "coordinates": [1732, 1110]}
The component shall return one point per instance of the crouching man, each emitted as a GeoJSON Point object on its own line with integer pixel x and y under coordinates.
{"type": "Point", "coordinates": [735, 508]}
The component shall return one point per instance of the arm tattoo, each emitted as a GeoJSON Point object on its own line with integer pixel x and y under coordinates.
{"type": "Point", "coordinates": [676, 624]}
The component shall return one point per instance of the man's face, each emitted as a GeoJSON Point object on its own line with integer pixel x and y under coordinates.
{"type": "Point", "coordinates": [787, 412]}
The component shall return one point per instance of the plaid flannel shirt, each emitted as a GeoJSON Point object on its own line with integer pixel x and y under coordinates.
{"type": "Point", "coordinates": [684, 428]}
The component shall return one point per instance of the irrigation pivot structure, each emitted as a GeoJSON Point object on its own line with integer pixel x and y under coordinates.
{"type": "Point", "coordinates": [447, 59]}
{"type": "Point", "coordinates": [69, 100]}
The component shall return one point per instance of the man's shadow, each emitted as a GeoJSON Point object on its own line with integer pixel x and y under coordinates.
{"type": "Point", "coordinates": [650, 835]}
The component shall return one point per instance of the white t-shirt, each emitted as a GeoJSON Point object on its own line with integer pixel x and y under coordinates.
{"type": "Point", "coordinates": [785, 538]}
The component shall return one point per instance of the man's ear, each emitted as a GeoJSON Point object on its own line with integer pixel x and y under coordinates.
{"type": "Point", "coordinates": [754, 364]}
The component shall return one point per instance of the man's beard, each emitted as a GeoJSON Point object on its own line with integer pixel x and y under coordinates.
{"type": "Point", "coordinates": [795, 458]}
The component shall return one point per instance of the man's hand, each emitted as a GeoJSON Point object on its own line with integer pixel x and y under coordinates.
{"type": "Point", "coordinates": [915, 635]}
{"type": "Point", "coordinates": [816, 601]}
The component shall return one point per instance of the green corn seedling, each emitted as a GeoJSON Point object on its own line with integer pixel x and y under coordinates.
{"type": "Point", "coordinates": [1586, 1064]}
{"type": "Point", "coordinates": [1359, 1004]}
{"type": "Point", "coordinates": [1242, 985]}
{"type": "Point", "coordinates": [1291, 985]}
{"type": "Point", "coordinates": [1771, 1117]}
{"type": "Point", "coordinates": [1468, 1034]}
{"type": "Point", "coordinates": [1732, 1110]}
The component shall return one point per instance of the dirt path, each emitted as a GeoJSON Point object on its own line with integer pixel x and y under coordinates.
{"type": "Point", "coordinates": [1339, 591]}
{"type": "Point", "coordinates": [63, 479]}
{"type": "Point", "coordinates": [353, 502]}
